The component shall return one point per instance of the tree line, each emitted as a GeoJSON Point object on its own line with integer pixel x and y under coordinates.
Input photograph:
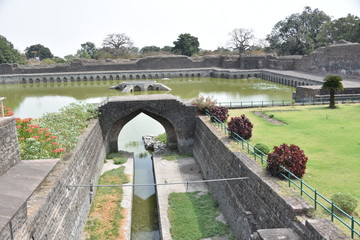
{"type": "Point", "coordinates": [297, 34]}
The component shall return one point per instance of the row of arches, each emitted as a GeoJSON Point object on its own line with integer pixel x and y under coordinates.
{"type": "Point", "coordinates": [284, 81]}
{"type": "Point", "coordinates": [235, 75]}
{"type": "Point", "coordinates": [109, 77]}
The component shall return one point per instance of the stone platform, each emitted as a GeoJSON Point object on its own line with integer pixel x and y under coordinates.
{"type": "Point", "coordinates": [16, 187]}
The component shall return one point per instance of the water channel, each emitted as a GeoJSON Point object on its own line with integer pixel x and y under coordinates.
{"type": "Point", "coordinates": [33, 100]}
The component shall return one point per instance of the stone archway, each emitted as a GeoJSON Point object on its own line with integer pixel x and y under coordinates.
{"type": "Point", "coordinates": [177, 118]}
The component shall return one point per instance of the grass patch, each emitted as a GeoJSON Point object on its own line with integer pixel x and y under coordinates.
{"type": "Point", "coordinates": [192, 216]}
{"type": "Point", "coordinates": [161, 138]}
{"type": "Point", "coordinates": [118, 158]}
{"type": "Point", "coordinates": [329, 137]}
{"type": "Point", "coordinates": [104, 221]}
{"type": "Point", "coordinates": [175, 156]}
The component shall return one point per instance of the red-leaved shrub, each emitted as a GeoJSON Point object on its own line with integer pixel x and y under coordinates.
{"type": "Point", "coordinates": [221, 113]}
{"type": "Point", "coordinates": [291, 157]}
{"type": "Point", "coordinates": [241, 126]}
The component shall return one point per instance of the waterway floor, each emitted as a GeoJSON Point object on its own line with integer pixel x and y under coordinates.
{"type": "Point", "coordinates": [181, 170]}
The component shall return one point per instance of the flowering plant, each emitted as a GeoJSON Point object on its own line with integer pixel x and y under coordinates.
{"type": "Point", "coordinates": [203, 103]}
{"type": "Point", "coordinates": [7, 111]}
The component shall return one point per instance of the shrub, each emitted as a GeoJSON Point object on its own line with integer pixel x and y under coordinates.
{"type": "Point", "coordinates": [203, 103]}
{"type": "Point", "coordinates": [241, 126]}
{"type": "Point", "coordinates": [261, 148]}
{"type": "Point", "coordinates": [220, 113]}
{"type": "Point", "coordinates": [7, 111]}
{"type": "Point", "coordinates": [291, 157]}
{"type": "Point", "coordinates": [345, 201]}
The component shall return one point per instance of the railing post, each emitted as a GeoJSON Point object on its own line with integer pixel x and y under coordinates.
{"type": "Point", "coordinates": [301, 186]}
{"type": "Point", "coordinates": [352, 227]}
{"type": "Point", "coordinates": [289, 178]}
{"type": "Point", "coordinates": [230, 104]}
{"type": "Point", "coordinates": [315, 199]}
{"type": "Point", "coordinates": [332, 211]}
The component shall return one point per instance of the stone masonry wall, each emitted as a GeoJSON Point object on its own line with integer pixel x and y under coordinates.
{"type": "Point", "coordinates": [255, 203]}
{"type": "Point", "coordinates": [56, 211]}
{"type": "Point", "coordinates": [9, 146]}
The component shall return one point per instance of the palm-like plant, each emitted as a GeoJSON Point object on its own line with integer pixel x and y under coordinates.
{"type": "Point", "coordinates": [332, 83]}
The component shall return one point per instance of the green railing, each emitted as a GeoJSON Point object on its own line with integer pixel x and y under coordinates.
{"type": "Point", "coordinates": [302, 101]}
{"type": "Point", "coordinates": [316, 198]}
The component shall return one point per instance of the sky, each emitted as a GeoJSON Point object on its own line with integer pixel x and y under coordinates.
{"type": "Point", "coordinates": [63, 25]}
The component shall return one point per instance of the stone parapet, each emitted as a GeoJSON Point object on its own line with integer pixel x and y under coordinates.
{"type": "Point", "coordinates": [9, 146]}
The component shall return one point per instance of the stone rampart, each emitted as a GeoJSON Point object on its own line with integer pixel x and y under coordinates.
{"type": "Point", "coordinates": [56, 211]}
{"type": "Point", "coordinates": [258, 202]}
{"type": "Point", "coordinates": [9, 146]}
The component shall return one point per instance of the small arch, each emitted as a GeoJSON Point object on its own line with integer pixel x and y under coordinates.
{"type": "Point", "coordinates": [150, 88]}
{"type": "Point", "coordinates": [72, 79]}
{"type": "Point", "coordinates": [30, 80]}
{"type": "Point", "coordinates": [248, 76]}
{"type": "Point", "coordinates": [186, 75]}
{"type": "Point", "coordinates": [65, 79]}
{"type": "Point", "coordinates": [58, 79]}
{"type": "Point", "coordinates": [111, 77]}
{"type": "Point", "coordinates": [37, 80]}
{"type": "Point", "coordinates": [235, 76]}
{"type": "Point", "coordinates": [44, 80]}
{"type": "Point", "coordinates": [137, 89]}
{"type": "Point", "coordinates": [52, 79]}
{"type": "Point", "coordinates": [91, 78]}
{"type": "Point", "coordinates": [156, 76]}
{"type": "Point", "coordinates": [192, 75]}
{"type": "Point", "coordinates": [97, 78]}
{"type": "Point", "coordinates": [143, 76]}
{"type": "Point", "coordinates": [137, 77]}
{"type": "Point", "coordinates": [117, 77]}
{"type": "Point", "coordinates": [150, 76]}
{"type": "Point", "coordinates": [198, 75]}
{"type": "Point", "coordinates": [84, 79]}
{"type": "Point", "coordinates": [78, 79]}
{"type": "Point", "coordinates": [168, 75]}
{"type": "Point", "coordinates": [255, 75]}
{"type": "Point", "coordinates": [104, 78]}
{"type": "Point", "coordinates": [181, 75]}
{"type": "Point", "coordinates": [131, 77]}
{"type": "Point", "coordinates": [242, 76]}
{"type": "Point", "coordinates": [123, 77]}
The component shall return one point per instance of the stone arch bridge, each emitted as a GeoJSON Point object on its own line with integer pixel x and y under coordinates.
{"type": "Point", "coordinates": [177, 117]}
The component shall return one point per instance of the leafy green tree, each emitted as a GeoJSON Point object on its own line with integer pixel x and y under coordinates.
{"type": "Point", "coordinates": [147, 49]}
{"type": "Point", "coordinates": [332, 83]}
{"type": "Point", "coordinates": [166, 49]}
{"type": "Point", "coordinates": [38, 51]}
{"type": "Point", "coordinates": [7, 52]}
{"type": "Point", "coordinates": [346, 28]}
{"type": "Point", "coordinates": [88, 50]}
{"type": "Point", "coordinates": [298, 34]}
{"type": "Point", "coordinates": [186, 45]}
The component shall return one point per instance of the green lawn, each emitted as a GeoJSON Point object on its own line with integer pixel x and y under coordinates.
{"type": "Point", "coordinates": [329, 137]}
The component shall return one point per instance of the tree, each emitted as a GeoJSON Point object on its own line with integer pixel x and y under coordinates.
{"type": "Point", "coordinates": [38, 51]}
{"type": "Point", "coordinates": [186, 45]}
{"type": "Point", "coordinates": [241, 39]}
{"type": "Point", "coordinates": [7, 52]}
{"type": "Point", "coordinates": [147, 49]}
{"type": "Point", "coordinates": [332, 83]}
{"type": "Point", "coordinates": [118, 44]}
{"type": "Point", "coordinates": [88, 50]}
{"type": "Point", "coordinates": [298, 34]}
{"type": "Point", "coordinates": [346, 28]}
{"type": "Point", "coordinates": [166, 49]}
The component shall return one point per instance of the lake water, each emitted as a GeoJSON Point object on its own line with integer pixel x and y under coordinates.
{"type": "Point", "coordinates": [33, 100]}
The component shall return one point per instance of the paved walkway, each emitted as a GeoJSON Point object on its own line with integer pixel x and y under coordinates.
{"type": "Point", "coordinates": [18, 184]}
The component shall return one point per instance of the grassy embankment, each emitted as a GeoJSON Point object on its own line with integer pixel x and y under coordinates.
{"type": "Point", "coordinates": [105, 216]}
{"type": "Point", "coordinates": [329, 137]}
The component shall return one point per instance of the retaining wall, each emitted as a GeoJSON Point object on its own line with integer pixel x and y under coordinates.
{"type": "Point", "coordinates": [9, 146]}
{"type": "Point", "coordinates": [255, 203]}
{"type": "Point", "coordinates": [58, 212]}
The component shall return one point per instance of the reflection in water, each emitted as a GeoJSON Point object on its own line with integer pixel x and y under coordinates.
{"type": "Point", "coordinates": [145, 222]}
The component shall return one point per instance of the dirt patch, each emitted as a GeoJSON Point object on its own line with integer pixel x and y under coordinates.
{"type": "Point", "coordinates": [271, 120]}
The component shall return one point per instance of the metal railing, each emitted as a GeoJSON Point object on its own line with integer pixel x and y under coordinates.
{"type": "Point", "coordinates": [2, 106]}
{"type": "Point", "coordinates": [316, 198]}
{"type": "Point", "coordinates": [302, 101]}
